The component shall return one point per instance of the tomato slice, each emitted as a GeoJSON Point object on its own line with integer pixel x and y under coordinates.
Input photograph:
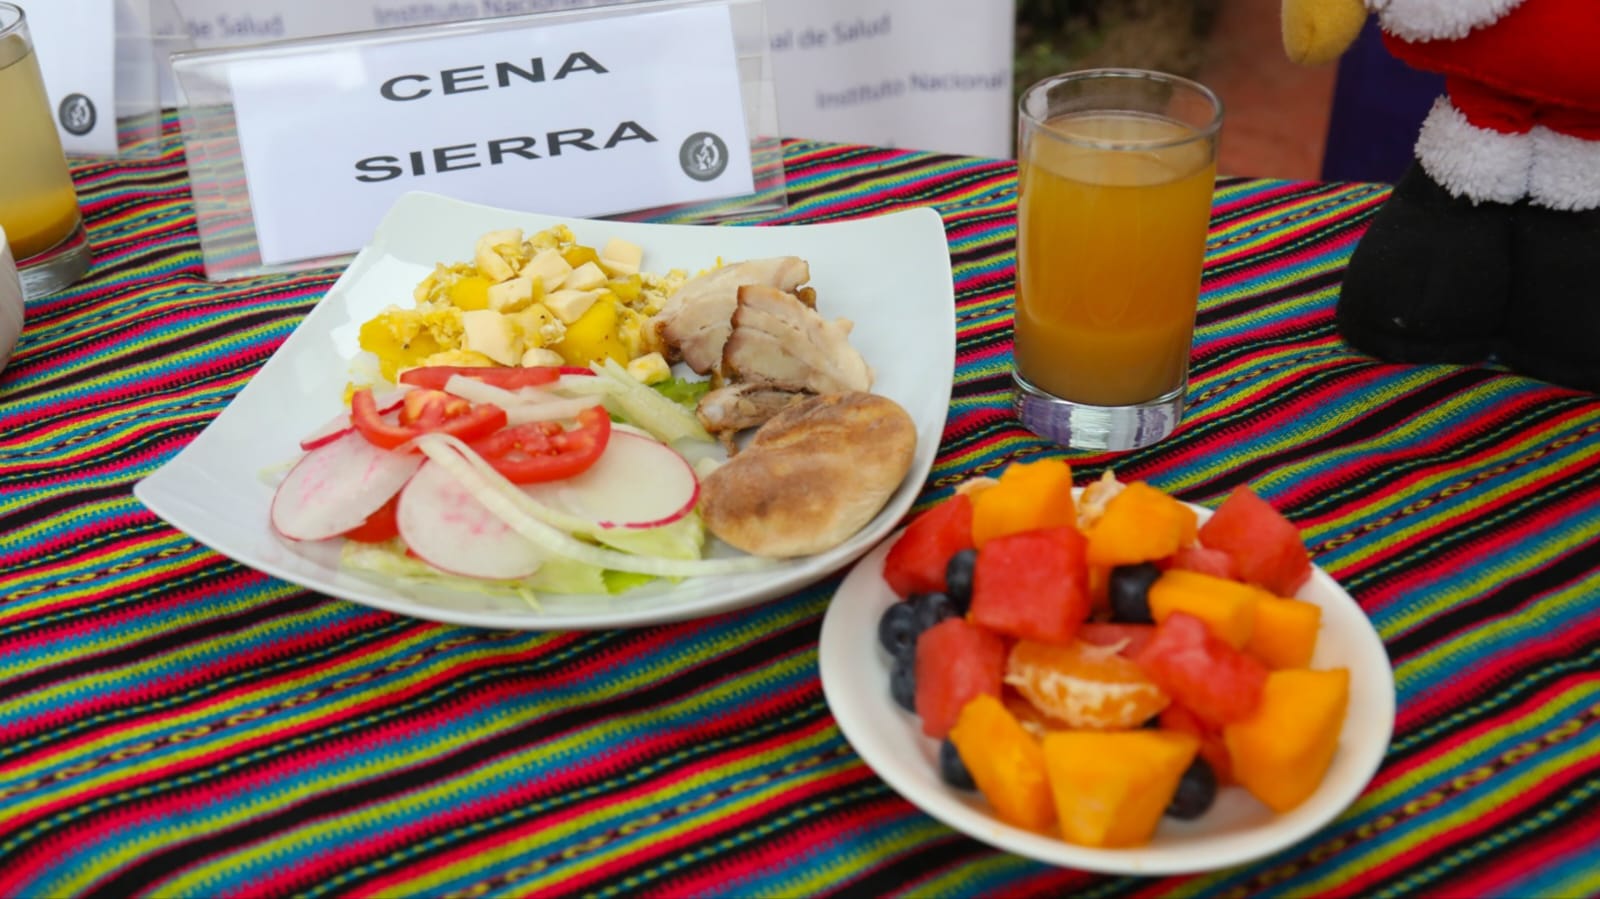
{"type": "Point", "coordinates": [381, 525]}
{"type": "Point", "coordinates": [468, 422]}
{"type": "Point", "coordinates": [434, 377]}
{"type": "Point", "coordinates": [544, 451]}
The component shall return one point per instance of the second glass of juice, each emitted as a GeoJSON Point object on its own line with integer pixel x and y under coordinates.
{"type": "Point", "coordinates": [1115, 176]}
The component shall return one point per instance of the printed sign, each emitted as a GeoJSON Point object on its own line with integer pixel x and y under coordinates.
{"type": "Point", "coordinates": [582, 118]}
{"type": "Point", "coordinates": [74, 41]}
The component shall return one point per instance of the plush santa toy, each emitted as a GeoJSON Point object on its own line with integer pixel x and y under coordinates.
{"type": "Point", "coordinates": [1490, 243]}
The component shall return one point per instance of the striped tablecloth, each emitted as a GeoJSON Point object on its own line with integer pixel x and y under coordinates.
{"type": "Point", "coordinates": [173, 723]}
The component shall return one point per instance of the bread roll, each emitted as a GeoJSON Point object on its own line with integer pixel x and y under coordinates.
{"type": "Point", "coordinates": [812, 476]}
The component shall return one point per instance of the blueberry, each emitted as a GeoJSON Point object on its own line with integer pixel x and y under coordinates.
{"type": "Point", "coordinates": [1196, 791]}
{"type": "Point", "coordinates": [897, 630]}
{"type": "Point", "coordinates": [958, 578]}
{"type": "Point", "coordinates": [952, 770]}
{"type": "Point", "coordinates": [1130, 592]}
{"type": "Point", "coordinates": [903, 684]}
{"type": "Point", "coordinates": [932, 608]}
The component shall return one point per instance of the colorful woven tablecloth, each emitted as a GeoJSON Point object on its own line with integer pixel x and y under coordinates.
{"type": "Point", "coordinates": [173, 723]}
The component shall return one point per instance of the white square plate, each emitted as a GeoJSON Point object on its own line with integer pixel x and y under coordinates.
{"type": "Point", "coordinates": [890, 275]}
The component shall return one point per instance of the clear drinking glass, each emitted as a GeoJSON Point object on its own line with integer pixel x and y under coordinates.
{"type": "Point", "coordinates": [38, 205]}
{"type": "Point", "coordinates": [1115, 175]}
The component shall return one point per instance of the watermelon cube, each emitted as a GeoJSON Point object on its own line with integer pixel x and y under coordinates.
{"type": "Point", "coordinates": [1265, 546]}
{"type": "Point", "coordinates": [956, 662]}
{"type": "Point", "coordinates": [916, 562]}
{"type": "Point", "coordinates": [1033, 585]}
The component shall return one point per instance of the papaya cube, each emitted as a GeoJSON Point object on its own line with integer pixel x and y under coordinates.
{"type": "Point", "coordinates": [1111, 787]}
{"type": "Point", "coordinates": [1032, 585]}
{"type": "Point", "coordinates": [1285, 633]}
{"type": "Point", "coordinates": [1265, 546]}
{"type": "Point", "coordinates": [1006, 763]}
{"type": "Point", "coordinates": [1140, 524]}
{"type": "Point", "coordinates": [955, 662]}
{"type": "Point", "coordinates": [1029, 496]}
{"type": "Point", "coordinates": [1227, 607]}
{"type": "Point", "coordinates": [1281, 752]}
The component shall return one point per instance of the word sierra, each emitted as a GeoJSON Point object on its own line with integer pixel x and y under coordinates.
{"type": "Point", "coordinates": [457, 157]}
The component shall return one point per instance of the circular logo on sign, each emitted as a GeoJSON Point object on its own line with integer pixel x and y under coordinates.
{"type": "Point", "coordinates": [77, 114]}
{"type": "Point", "coordinates": [703, 156]}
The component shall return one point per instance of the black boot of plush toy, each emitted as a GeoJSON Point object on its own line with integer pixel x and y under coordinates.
{"type": "Point", "coordinates": [1553, 323]}
{"type": "Point", "coordinates": [1429, 280]}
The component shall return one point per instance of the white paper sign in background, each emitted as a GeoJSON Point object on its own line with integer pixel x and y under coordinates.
{"type": "Point", "coordinates": [925, 74]}
{"type": "Point", "coordinates": [74, 41]}
{"type": "Point", "coordinates": [584, 118]}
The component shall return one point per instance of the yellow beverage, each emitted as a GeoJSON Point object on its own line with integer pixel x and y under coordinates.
{"type": "Point", "coordinates": [1110, 243]}
{"type": "Point", "coordinates": [38, 206]}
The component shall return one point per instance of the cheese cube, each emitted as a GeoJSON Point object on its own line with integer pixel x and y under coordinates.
{"type": "Point", "coordinates": [623, 252]}
{"type": "Point", "coordinates": [587, 276]}
{"type": "Point", "coordinates": [650, 369]}
{"type": "Point", "coordinates": [539, 356]}
{"type": "Point", "coordinates": [488, 332]}
{"type": "Point", "coordinates": [618, 269]}
{"type": "Point", "coordinates": [569, 305]}
{"type": "Point", "coordinates": [489, 262]}
{"type": "Point", "coordinates": [515, 294]}
{"type": "Point", "coordinates": [548, 264]}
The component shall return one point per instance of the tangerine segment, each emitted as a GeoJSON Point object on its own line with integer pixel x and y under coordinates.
{"type": "Point", "coordinates": [1084, 686]}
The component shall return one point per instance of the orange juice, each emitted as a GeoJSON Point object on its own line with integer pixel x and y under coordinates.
{"type": "Point", "coordinates": [1112, 219]}
{"type": "Point", "coordinates": [38, 206]}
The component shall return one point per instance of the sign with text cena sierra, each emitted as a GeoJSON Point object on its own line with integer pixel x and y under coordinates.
{"type": "Point", "coordinates": [583, 118]}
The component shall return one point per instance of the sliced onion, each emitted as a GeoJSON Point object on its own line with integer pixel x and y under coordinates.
{"type": "Point", "coordinates": [549, 410]}
{"type": "Point", "coordinates": [542, 525]}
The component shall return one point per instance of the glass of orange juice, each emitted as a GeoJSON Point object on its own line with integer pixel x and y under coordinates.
{"type": "Point", "coordinates": [38, 204]}
{"type": "Point", "coordinates": [1115, 176]}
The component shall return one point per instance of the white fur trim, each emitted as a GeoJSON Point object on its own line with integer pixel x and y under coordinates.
{"type": "Point", "coordinates": [1472, 162]}
{"type": "Point", "coordinates": [1431, 20]}
{"type": "Point", "coordinates": [1566, 171]}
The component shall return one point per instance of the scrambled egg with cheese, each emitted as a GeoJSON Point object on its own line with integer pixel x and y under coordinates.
{"type": "Point", "coordinates": [541, 299]}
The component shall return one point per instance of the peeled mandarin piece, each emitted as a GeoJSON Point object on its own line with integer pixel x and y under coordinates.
{"type": "Point", "coordinates": [1111, 787]}
{"type": "Point", "coordinates": [1281, 752]}
{"type": "Point", "coordinates": [1140, 524]}
{"type": "Point", "coordinates": [1082, 685]}
{"type": "Point", "coordinates": [1227, 607]}
{"type": "Point", "coordinates": [1028, 496]}
{"type": "Point", "coordinates": [1285, 633]}
{"type": "Point", "coordinates": [1005, 762]}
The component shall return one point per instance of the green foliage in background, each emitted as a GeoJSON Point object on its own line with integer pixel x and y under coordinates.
{"type": "Point", "coordinates": [1060, 35]}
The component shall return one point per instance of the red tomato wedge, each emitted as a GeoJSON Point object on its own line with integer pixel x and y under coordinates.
{"type": "Point", "coordinates": [435, 377]}
{"type": "Point", "coordinates": [467, 422]}
{"type": "Point", "coordinates": [544, 451]}
{"type": "Point", "coordinates": [380, 525]}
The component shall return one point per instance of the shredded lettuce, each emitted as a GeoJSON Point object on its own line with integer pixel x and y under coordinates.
{"type": "Point", "coordinates": [683, 391]}
{"type": "Point", "coordinates": [554, 575]}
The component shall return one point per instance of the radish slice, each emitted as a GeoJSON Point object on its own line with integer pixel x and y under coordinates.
{"type": "Point", "coordinates": [336, 486]}
{"type": "Point", "coordinates": [636, 483]}
{"type": "Point", "coordinates": [449, 529]}
{"type": "Point", "coordinates": [339, 425]}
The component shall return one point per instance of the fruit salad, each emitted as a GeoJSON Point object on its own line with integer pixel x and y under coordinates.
{"type": "Point", "coordinates": [1092, 664]}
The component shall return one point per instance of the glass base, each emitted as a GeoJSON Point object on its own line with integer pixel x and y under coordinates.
{"type": "Point", "coordinates": [57, 267]}
{"type": "Point", "coordinates": [1082, 426]}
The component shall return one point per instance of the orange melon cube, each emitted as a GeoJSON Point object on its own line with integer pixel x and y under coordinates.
{"type": "Point", "coordinates": [1028, 497]}
{"type": "Point", "coordinates": [1281, 752]}
{"type": "Point", "coordinates": [1227, 607]}
{"type": "Point", "coordinates": [1285, 633]}
{"type": "Point", "coordinates": [1140, 524]}
{"type": "Point", "coordinates": [1006, 763]}
{"type": "Point", "coordinates": [1111, 787]}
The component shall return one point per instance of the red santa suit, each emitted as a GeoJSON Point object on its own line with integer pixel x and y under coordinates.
{"type": "Point", "coordinates": [1522, 115]}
